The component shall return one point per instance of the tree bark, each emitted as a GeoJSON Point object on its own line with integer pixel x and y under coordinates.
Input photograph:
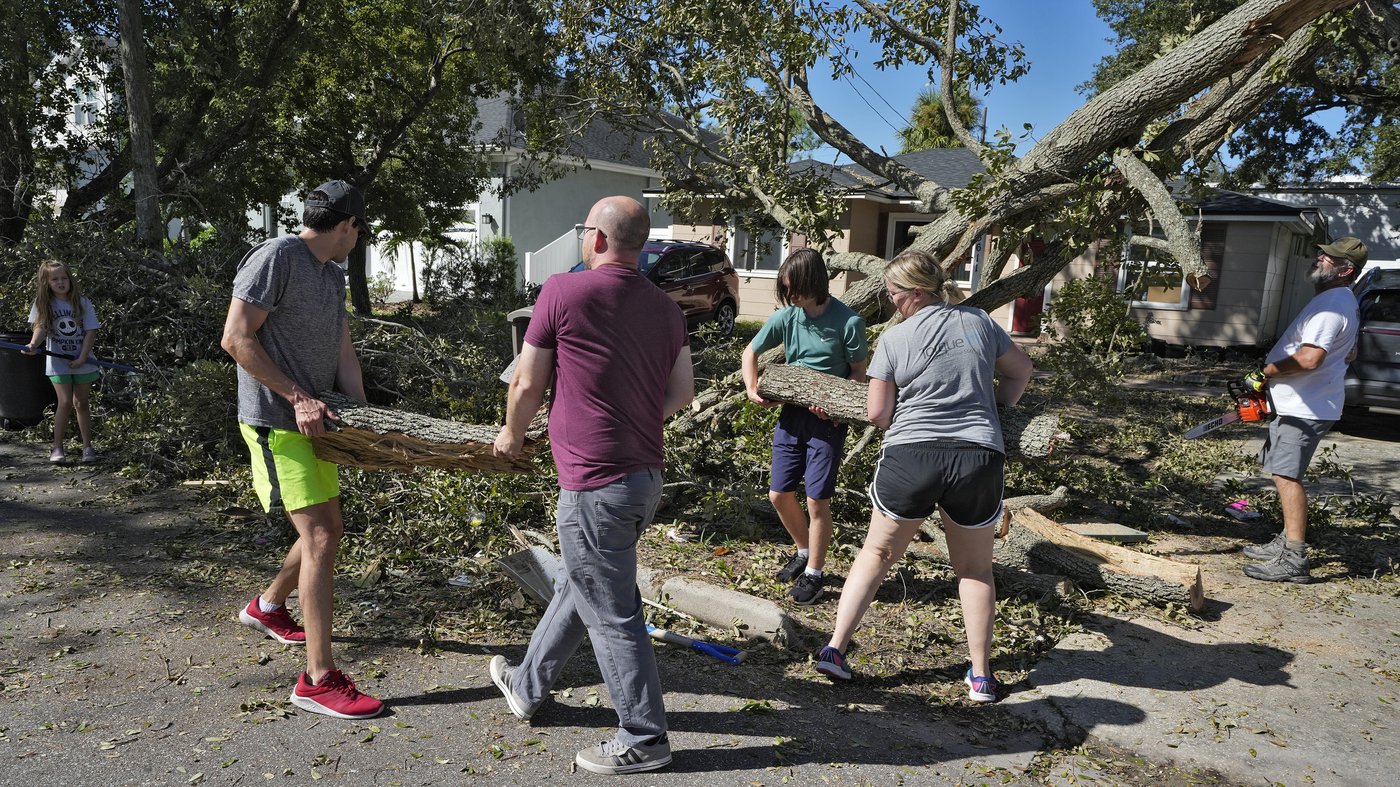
{"type": "Point", "coordinates": [1040, 545]}
{"type": "Point", "coordinates": [358, 280]}
{"type": "Point", "coordinates": [1025, 433]}
{"type": "Point", "coordinates": [378, 438]}
{"type": "Point", "coordinates": [137, 78]}
{"type": "Point", "coordinates": [1009, 581]}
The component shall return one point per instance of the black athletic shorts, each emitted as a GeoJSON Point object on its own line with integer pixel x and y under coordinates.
{"type": "Point", "coordinates": [967, 480]}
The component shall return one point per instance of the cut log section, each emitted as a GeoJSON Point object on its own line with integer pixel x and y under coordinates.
{"type": "Point", "coordinates": [1042, 546]}
{"type": "Point", "coordinates": [1026, 432]}
{"type": "Point", "coordinates": [1010, 581]}
{"type": "Point", "coordinates": [377, 438]}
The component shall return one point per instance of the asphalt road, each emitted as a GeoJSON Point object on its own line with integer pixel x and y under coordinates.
{"type": "Point", "coordinates": [121, 665]}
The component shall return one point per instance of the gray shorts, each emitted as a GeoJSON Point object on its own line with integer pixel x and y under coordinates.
{"type": "Point", "coordinates": [1290, 446]}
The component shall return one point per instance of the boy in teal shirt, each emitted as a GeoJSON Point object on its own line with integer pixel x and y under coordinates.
{"type": "Point", "coordinates": [820, 333]}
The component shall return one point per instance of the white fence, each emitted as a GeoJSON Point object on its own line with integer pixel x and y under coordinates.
{"type": "Point", "coordinates": [563, 253]}
{"type": "Point", "coordinates": [558, 256]}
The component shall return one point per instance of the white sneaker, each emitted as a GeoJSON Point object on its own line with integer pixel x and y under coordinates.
{"type": "Point", "coordinates": [501, 674]}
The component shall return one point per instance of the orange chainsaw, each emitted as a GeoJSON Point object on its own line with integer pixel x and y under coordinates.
{"type": "Point", "coordinates": [1249, 406]}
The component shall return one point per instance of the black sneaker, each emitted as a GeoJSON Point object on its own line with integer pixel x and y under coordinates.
{"type": "Point", "coordinates": [614, 757]}
{"type": "Point", "coordinates": [796, 565]}
{"type": "Point", "coordinates": [1289, 566]}
{"type": "Point", "coordinates": [807, 589]}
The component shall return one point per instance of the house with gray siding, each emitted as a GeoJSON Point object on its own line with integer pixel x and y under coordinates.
{"type": "Point", "coordinates": [1351, 206]}
{"type": "Point", "coordinates": [599, 161]}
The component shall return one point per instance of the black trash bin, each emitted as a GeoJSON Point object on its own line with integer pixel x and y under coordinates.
{"type": "Point", "coordinates": [24, 390]}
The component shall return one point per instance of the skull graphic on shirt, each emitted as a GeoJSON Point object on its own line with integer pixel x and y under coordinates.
{"type": "Point", "coordinates": [66, 326]}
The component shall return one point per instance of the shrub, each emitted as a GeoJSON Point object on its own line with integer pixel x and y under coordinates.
{"type": "Point", "coordinates": [381, 286]}
{"type": "Point", "coordinates": [483, 271]}
{"type": "Point", "coordinates": [1095, 335]}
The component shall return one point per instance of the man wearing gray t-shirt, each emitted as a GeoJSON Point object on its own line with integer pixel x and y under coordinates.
{"type": "Point", "coordinates": [287, 330]}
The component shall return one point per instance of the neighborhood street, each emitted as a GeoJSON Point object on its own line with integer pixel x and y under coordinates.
{"type": "Point", "coordinates": [122, 665]}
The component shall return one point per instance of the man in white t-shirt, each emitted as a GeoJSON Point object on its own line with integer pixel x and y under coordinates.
{"type": "Point", "coordinates": [1304, 374]}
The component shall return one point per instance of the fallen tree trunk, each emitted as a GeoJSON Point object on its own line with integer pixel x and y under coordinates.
{"type": "Point", "coordinates": [1025, 431]}
{"type": "Point", "coordinates": [377, 438]}
{"type": "Point", "coordinates": [1041, 504]}
{"type": "Point", "coordinates": [932, 528]}
{"type": "Point", "coordinates": [1040, 545]}
{"type": "Point", "coordinates": [1009, 581]}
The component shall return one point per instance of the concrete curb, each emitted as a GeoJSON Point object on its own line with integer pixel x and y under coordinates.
{"type": "Point", "coordinates": [756, 618]}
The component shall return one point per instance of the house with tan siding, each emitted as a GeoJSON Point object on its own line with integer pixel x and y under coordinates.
{"type": "Point", "coordinates": [1258, 250]}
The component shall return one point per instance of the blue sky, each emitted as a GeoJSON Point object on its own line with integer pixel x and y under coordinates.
{"type": "Point", "coordinates": [1063, 40]}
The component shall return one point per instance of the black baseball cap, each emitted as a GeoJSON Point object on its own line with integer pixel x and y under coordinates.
{"type": "Point", "coordinates": [340, 197]}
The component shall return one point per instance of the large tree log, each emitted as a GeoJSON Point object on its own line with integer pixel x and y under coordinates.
{"type": "Point", "coordinates": [376, 438]}
{"type": "Point", "coordinates": [1026, 432]}
{"type": "Point", "coordinates": [1040, 545]}
{"type": "Point", "coordinates": [1041, 504]}
{"type": "Point", "coordinates": [1009, 581]}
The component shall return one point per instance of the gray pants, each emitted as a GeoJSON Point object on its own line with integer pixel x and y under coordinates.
{"type": "Point", "coordinates": [598, 533]}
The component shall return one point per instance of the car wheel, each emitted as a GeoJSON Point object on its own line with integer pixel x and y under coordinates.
{"type": "Point", "coordinates": [725, 317]}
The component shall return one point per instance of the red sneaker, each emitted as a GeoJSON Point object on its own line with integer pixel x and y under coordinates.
{"type": "Point", "coordinates": [336, 696]}
{"type": "Point", "coordinates": [277, 624]}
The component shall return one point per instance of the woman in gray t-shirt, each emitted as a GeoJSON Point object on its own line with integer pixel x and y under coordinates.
{"type": "Point", "coordinates": [931, 387]}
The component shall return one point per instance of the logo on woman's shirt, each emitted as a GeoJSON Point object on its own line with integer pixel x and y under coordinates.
{"type": "Point", "coordinates": [944, 347]}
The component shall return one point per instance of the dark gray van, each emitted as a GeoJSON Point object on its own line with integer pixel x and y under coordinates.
{"type": "Point", "coordinates": [1373, 380]}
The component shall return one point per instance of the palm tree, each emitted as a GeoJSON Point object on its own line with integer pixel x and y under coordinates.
{"type": "Point", "coordinates": [928, 126]}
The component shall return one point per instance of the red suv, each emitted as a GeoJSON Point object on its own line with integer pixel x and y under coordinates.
{"type": "Point", "coordinates": [697, 276]}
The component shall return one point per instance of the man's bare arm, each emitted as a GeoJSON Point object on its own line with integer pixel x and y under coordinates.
{"type": "Point", "coordinates": [240, 341]}
{"type": "Point", "coordinates": [680, 386]}
{"type": "Point", "coordinates": [349, 377]}
{"type": "Point", "coordinates": [527, 388]}
{"type": "Point", "coordinates": [1307, 358]}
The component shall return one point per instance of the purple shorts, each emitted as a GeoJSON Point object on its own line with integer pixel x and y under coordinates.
{"type": "Point", "coordinates": [807, 450]}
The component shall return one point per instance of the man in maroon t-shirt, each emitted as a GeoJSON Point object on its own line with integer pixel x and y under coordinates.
{"type": "Point", "coordinates": [616, 348]}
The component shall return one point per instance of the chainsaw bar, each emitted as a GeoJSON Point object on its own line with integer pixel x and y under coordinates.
{"type": "Point", "coordinates": [1213, 424]}
{"type": "Point", "coordinates": [1249, 406]}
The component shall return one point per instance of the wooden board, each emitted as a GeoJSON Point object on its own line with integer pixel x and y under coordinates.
{"type": "Point", "coordinates": [1108, 531]}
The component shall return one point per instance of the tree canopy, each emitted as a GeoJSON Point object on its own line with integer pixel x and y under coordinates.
{"type": "Point", "coordinates": [257, 99]}
{"type": "Point", "coordinates": [1162, 111]}
{"type": "Point", "coordinates": [1355, 74]}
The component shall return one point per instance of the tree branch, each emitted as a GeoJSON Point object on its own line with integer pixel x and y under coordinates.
{"type": "Point", "coordinates": [902, 30]}
{"type": "Point", "coordinates": [390, 140]}
{"type": "Point", "coordinates": [950, 111]}
{"type": "Point", "coordinates": [931, 195]}
{"type": "Point", "coordinates": [1233, 99]}
{"type": "Point", "coordinates": [1182, 244]}
{"type": "Point", "coordinates": [1381, 21]}
{"type": "Point", "coordinates": [1117, 116]}
{"type": "Point", "coordinates": [1025, 281]}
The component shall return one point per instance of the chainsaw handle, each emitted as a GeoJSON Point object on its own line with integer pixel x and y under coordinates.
{"type": "Point", "coordinates": [1250, 404]}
